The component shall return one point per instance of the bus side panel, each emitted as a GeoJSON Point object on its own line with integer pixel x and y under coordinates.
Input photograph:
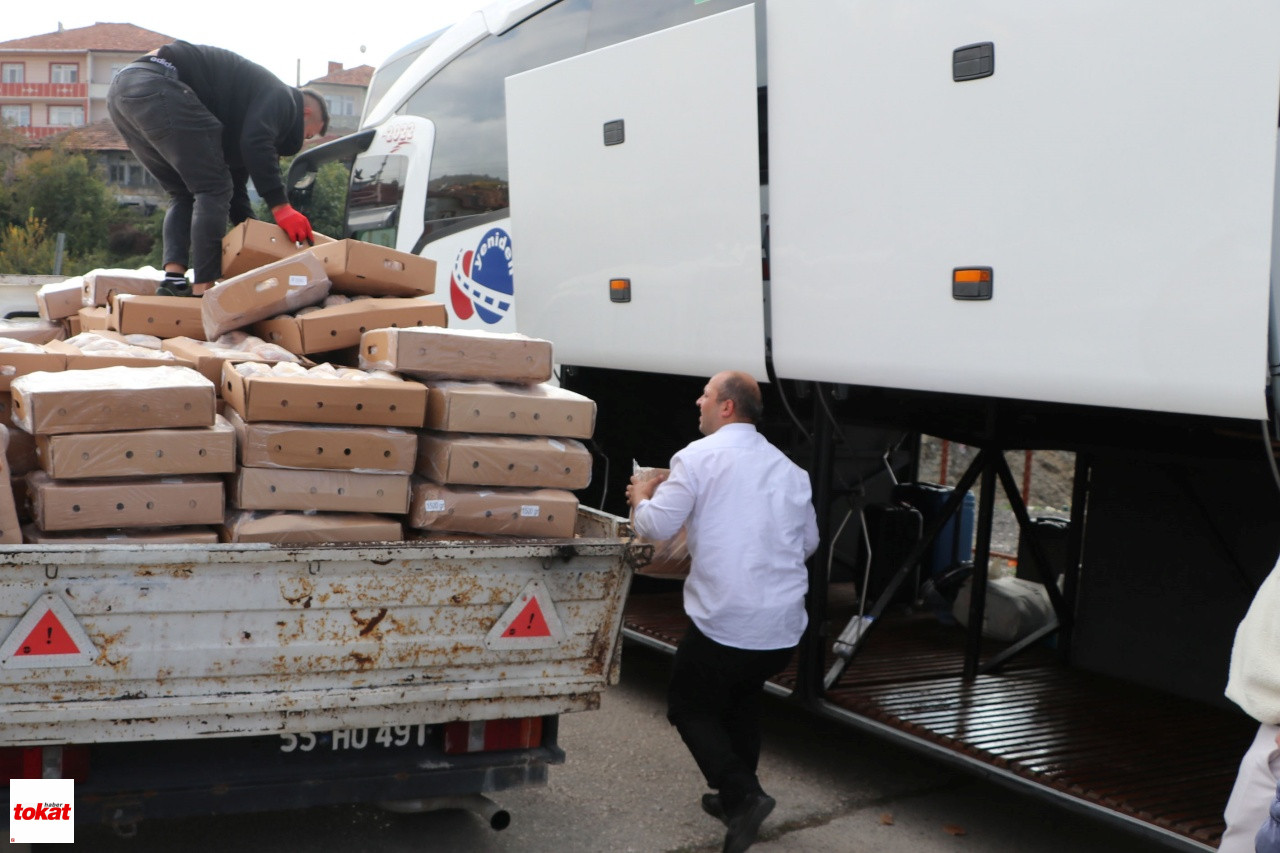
{"type": "Point", "coordinates": [673, 207]}
{"type": "Point", "coordinates": [1115, 172]}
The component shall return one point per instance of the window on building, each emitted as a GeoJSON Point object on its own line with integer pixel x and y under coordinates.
{"type": "Point", "coordinates": [12, 72]}
{"type": "Point", "coordinates": [340, 105]}
{"type": "Point", "coordinates": [66, 116]}
{"type": "Point", "coordinates": [16, 115]}
{"type": "Point", "coordinates": [64, 73]}
{"type": "Point", "coordinates": [116, 68]}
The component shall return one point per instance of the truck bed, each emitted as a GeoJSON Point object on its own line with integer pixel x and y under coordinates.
{"type": "Point", "coordinates": [222, 640]}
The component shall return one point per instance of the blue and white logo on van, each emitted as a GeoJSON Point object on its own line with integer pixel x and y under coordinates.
{"type": "Point", "coordinates": [481, 282]}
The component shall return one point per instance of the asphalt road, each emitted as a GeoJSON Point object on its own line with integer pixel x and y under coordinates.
{"type": "Point", "coordinates": [629, 785]}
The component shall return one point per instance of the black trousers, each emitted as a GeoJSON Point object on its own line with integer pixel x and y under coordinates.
{"type": "Point", "coordinates": [714, 702]}
{"type": "Point", "coordinates": [179, 141]}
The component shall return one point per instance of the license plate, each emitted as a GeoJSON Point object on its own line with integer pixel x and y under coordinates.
{"type": "Point", "coordinates": [343, 740]}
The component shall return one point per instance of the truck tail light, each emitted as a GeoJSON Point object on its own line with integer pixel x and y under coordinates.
{"type": "Point", "coordinates": [491, 735]}
{"type": "Point", "coordinates": [45, 762]}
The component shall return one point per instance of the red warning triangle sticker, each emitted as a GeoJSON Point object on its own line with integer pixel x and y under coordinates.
{"type": "Point", "coordinates": [48, 635]}
{"type": "Point", "coordinates": [531, 622]}
{"type": "Point", "coordinates": [48, 638]}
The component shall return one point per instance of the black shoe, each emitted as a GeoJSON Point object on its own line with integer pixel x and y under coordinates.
{"type": "Point", "coordinates": [174, 287]}
{"type": "Point", "coordinates": [714, 806]}
{"type": "Point", "coordinates": [745, 823]}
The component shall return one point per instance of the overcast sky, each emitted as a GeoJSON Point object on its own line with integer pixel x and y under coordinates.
{"type": "Point", "coordinates": [295, 40]}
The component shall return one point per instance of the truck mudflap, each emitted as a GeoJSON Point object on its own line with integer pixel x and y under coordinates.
{"type": "Point", "coordinates": [109, 644]}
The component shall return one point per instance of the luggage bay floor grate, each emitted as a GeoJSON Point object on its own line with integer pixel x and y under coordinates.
{"type": "Point", "coordinates": [1141, 753]}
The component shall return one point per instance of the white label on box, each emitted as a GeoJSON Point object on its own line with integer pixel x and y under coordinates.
{"type": "Point", "coordinates": [530, 510]}
{"type": "Point", "coordinates": [297, 281]}
{"type": "Point", "coordinates": [434, 506]}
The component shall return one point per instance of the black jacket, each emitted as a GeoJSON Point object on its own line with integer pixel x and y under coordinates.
{"type": "Point", "coordinates": [261, 116]}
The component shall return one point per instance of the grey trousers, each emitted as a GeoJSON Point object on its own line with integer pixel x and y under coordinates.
{"type": "Point", "coordinates": [179, 141]}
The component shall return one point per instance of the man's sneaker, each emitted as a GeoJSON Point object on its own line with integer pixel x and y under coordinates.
{"type": "Point", "coordinates": [714, 806]}
{"type": "Point", "coordinates": [174, 286]}
{"type": "Point", "coordinates": [745, 823]}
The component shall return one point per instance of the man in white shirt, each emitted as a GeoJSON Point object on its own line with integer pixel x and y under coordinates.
{"type": "Point", "coordinates": [748, 514]}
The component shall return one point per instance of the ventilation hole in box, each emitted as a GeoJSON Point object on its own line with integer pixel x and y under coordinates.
{"type": "Point", "coordinates": [151, 504]}
{"type": "Point", "coordinates": [346, 451]}
{"type": "Point", "coordinates": [536, 469]}
{"type": "Point", "coordinates": [511, 466]}
{"type": "Point", "coordinates": [488, 513]}
{"type": "Point", "coordinates": [319, 451]}
{"type": "Point", "coordinates": [186, 407]}
{"type": "Point", "coordinates": [537, 416]}
{"type": "Point", "coordinates": [475, 464]}
{"type": "Point", "coordinates": [359, 407]}
{"type": "Point", "coordinates": [272, 489]}
{"type": "Point", "coordinates": [159, 454]}
{"type": "Point", "coordinates": [284, 404]}
{"type": "Point", "coordinates": [191, 504]}
{"type": "Point", "coordinates": [119, 507]}
{"type": "Point", "coordinates": [203, 452]}
{"type": "Point", "coordinates": [393, 407]}
{"type": "Point", "coordinates": [386, 454]}
{"type": "Point", "coordinates": [341, 491]}
{"type": "Point", "coordinates": [75, 507]}
{"type": "Point", "coordinates": [381, 492]}
{"type": "Point", "coordinates": [312, 490]}
{"type": "Point", "coordinates": [319, 404]}
{"type": "Point", "coordinates": [550, 518]}
{"type": "Point", "coordinates": [145, 407]}
{"type": "Point", "coordinates": [333, 333]}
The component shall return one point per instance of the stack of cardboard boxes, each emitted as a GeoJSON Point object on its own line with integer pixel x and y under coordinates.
{"type": "Point", "coordinates": [501, 451]}
{"type": "Point", "coordinates": [122, 448]}
{"type": "Point", "coordinates": [344, 407]}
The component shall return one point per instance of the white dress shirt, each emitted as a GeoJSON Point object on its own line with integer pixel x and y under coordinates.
{"type": "Point", "coordinates": [748, 513]}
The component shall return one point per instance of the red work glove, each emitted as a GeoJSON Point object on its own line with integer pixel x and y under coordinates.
{"type": "Point", "coordinates": [294, 223]}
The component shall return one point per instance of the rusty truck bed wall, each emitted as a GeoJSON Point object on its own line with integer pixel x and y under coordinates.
{"type": "Point", "coordinates": [218, 640]}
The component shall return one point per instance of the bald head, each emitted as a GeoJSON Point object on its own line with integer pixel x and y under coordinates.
{"type": "Point", "coordinates": [729, 397]}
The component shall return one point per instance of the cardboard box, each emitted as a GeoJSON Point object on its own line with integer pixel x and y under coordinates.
{"type": "Point", "coordinates": [487, 407]}
{"type": "Point", "coordinates": [371, 270]}
{"type": "Point", "coordinates": [486, 509]}
{"type": "Point", "coordinates": [431, 353]}
{"type": "Point", "coordinates": [305, 399]}
{"type": "Point", "coordinates": [33, 535]}
{"type": "Point", "coordinates": [21, 453]}
{"type": "Point", "coordinates": [207, 358]}
{"type": "Point", "coordinates": [323, 491]}
{"type": "Point", "coordinates": [503, 460]}
{"type": "Point", "coordinates": [98, 285]}
{"type": "Point", "coordinates": [162, 316]}
{"type": "Point", "coordinates": [311, 446]}
{"type": "Point", "coordinates": [307, 528]}
{"type": "Point", "coordinates": [15, 364]}
{"type": "Point", "coordinates": [95, 504]}
{"type": "Point", "coordinates": [78, 359]}
{"type": "Point", "coordinates": [113, 398]}
{"type": "Point", "coordinates": [71, 326]}
{"type": "Point", "coordinates": [254, 243]}
{"type": "Point", "coordinates": [278, 288]}
{"type": "Point", "coordinates": [30, 330]}
{"type": "Point", "coordinates": [327, 329]}
{"type": "Point", "coordinates": [59, 299]}
{"type": "Point", "coordinates": [139, 453]}
{"type": "Point", "coordinates": [10, 526]}
{"type": "Point", "coordinates": [93, 319]}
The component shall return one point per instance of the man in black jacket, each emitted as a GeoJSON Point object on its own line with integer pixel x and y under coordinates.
{"type": "Point", "coordinates": [204, 120]}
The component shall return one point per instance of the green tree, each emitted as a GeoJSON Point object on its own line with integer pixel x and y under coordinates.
{"type": "Point", "coordinates": [25, 249]}
{"type": "Point", "coordinates": [59, 187]}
